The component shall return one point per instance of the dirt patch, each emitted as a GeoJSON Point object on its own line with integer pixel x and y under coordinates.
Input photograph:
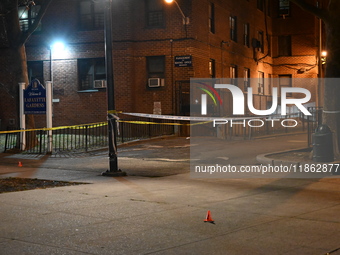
{"type": "Point", "coordinates": [20, 184]}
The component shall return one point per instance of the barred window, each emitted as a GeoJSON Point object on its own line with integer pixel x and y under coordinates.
{"type": "Point", "coordinates": [27, 17]}
{"type": "Point", "coordinates": [91, 15]}
{"type": "Point", "coordinates": [284, 8]}
{"type": "Point", "coordinates": [154, 13]}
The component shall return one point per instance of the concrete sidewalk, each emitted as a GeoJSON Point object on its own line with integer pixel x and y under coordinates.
{"type": "Point", "coordinates": [165, 215]}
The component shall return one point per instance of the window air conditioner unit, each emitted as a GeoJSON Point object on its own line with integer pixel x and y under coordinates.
{"type": "Point", "coordinates": [155, 82]}
{"type": "Point", "coordinates": [99, 84]}
{"type": "Point", "coordinates": [261, 90]}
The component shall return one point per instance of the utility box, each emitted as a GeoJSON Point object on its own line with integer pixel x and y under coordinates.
{"type": "Point", "coordinates": [323, 144]}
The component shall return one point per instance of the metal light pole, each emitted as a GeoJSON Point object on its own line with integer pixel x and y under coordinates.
{"type": "Point", "coordinates": [112, 125]}
{"type": "Point", "coordinates": [185, 19]}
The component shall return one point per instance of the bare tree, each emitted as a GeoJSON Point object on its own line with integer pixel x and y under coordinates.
{"type": "Point", "coordinates": [14, 40]}
{"type": "Point", "coordinates": [331, 18]}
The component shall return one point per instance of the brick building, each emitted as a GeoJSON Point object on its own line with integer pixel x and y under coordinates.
{"type": "Point", "coordinates": [221, 38]}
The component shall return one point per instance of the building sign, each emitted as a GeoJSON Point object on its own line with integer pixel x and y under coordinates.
{"type": "Point", "coordinates": [35, 98]}
{"type": "Point", "coordinates": [183, 61]}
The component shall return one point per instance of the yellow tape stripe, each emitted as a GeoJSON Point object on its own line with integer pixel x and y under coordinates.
{"type": "Point", "coordinates": [114, 112]}
{"type": "Point", "coordinates": [91, 125]}
{"type": "Point", "coordinates": [99, 124]}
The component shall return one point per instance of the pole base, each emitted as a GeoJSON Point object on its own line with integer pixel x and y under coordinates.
{"type": "Point", "coordinates": [114, 173]}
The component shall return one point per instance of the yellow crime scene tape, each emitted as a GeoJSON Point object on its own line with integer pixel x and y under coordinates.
{"type": "Point", "coordinates": [95, 125]}
{"type": "Point", "coordinates": [81, 126]}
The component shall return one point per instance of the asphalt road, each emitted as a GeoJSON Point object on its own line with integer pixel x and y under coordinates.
{"type": "Point", "coordinates": [140, 215]}
{"type": "Point", "coordinates": [153, 158]}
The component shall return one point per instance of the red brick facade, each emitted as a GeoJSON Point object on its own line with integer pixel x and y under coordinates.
{"type": "Point", "coordinates": [134, 41]}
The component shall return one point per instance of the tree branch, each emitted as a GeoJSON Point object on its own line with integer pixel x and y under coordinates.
{"type": "Point", "coordinates": [320, 13]}
{"type": "Point", "coordinates": [25, 35]}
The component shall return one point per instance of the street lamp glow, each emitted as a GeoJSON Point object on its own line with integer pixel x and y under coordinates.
{"type": "Point", "coordinates": [58, 47]}
{"type": "Point", "coordinates": [169, 1]}
{"type": "Point", "coordinates": [324, 53]}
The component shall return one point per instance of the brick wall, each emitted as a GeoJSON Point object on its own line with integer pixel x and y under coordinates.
{"type": "Point", "coordinates": [133, 41]}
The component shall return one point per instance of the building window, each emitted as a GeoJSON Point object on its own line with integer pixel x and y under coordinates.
{"type": "Point", "coordinates": [156, 66]}
{"type": "Point", "coordinates": [246, 37]}
{"type": "Point", "coordinates": [91, 15]}
{"type": "Point", "coordinates": [212, 18]}
{"type": "Point", "coordinates": [284, 7]}
{"type": "Point", "coordinates": [92, 73]}
{"type": "Point", "coordinates": [154, 13]}
{"type": "Point", "coordinates": [260, 83]}
{"type": "Point", "coordinates": [212, 68]}
{"type": "Point", "coordinates": [246, 79]}
{"type": "Point", "coordinates": [285, 80]}
{"type": "Point", "coordinates": [285, 45]}
{"type": "Point", "coordinates": [27, 17]}
{"type": "Point", "coordinates": [270, 84]}
{"type": "Point", "coordinates": [233, 75]}
{"type": "Point", "coordinates": [260, 38]}
{"type": "Point", "coordinates": [233, 28]}
{"type": "Point", "coordinates": [35, 70]}
{"type": "Point", "coordinates": [260, 5]}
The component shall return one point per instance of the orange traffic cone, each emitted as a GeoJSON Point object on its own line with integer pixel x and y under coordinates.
{"type": "Point", "coordinates": [19, 164]}
{"type": "Point", "coordinates": [208, 218]}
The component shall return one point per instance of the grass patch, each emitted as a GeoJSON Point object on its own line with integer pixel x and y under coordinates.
{"type": "Point", "coordinates": [20, 184]}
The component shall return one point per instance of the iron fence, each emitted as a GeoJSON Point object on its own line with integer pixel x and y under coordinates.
{"type": "Point", "coordinates": [83, 138]}
{"type": "Point", "coordinates": [88, 137]}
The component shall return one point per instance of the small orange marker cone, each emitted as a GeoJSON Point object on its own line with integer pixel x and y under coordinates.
{"type": "Point", "coordinates": [19, 164]}
{"type": "Point", "coordinates": [208, 218]}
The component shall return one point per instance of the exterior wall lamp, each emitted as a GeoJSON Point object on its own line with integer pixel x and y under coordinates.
{"type": "Point", "coordinates": [186, 20]}
{"type": "Point", "coordinates": [323, 57]}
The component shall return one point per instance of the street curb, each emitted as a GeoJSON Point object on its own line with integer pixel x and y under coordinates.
{"type": "Point", "coordinates": [139, 141]}
{"type": "Point", "coordinates": [276, 135]}
{"type": "Point", "coordinates": [264, 158]}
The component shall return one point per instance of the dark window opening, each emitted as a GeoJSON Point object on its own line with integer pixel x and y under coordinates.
{"type": "Point", "coordinates": [92, 73]}
{"type": "Point", "coordinates": [285, 45]}
{"type": "Point", "coordinates": [285, 80]}
{"type": "Point", "coordinates": [233, 28]}
{"type": "Point", "coordinates": [91, 15]}
{"type": "Point", "coordinates": [246, 37]}
{"type": "Point", "coordinates": [212, 68]}
{"type": "Point", "coordinates": [212, 18]}
{"type": "Point", "coordinates": [260, 83]}
{"type": "Point", "coordinates": [233, 75]}
{"type": "Point", "coordinates": [156, 66]}
{"type": "Point", "coordinates": [35, 71]}
{"type": "Point", "coordinates": [260, 5]}
{"type": "Point", "coordinates": [246, 79]}
{"type": "Point", "coordinates": [260, 38]}
{"type": "Point", "coordinates": [154, 13]}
